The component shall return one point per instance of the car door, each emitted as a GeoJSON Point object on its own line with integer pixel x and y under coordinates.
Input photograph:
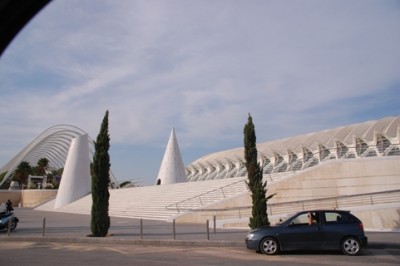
{"type": "Point", "coordinates": [336, 225]}
{"type": "Point", "coordinates": [300, 233]}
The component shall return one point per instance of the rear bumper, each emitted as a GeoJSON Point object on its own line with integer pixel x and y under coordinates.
{"type": "Point", "coordinates": [364, 241]}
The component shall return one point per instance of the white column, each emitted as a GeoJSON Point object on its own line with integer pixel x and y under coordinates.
{"type": "Point", "coordinates": [76, 179]}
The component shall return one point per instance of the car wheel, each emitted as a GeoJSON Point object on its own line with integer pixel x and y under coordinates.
{"type": "Point", "coordinates": [13, 226]}
{"type": "Point", "coordinates": [269, 246]}
{"type": "Point", "coordinates": [351, 246]}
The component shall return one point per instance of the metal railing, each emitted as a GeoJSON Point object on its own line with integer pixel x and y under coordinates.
{"type": "Point", "coordinates": [214, 195]}
{"type": "Point", "coordinates": [342, 202]}
{"type": "Point", "coordinates": [209, 197]}
{"type": "Point", "coordinates": [365, 199]}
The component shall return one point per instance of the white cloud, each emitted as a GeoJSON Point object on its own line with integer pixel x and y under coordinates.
{"type": "Point", "coordinates": [200, 66]}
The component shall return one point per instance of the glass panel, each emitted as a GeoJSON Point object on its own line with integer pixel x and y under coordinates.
{"type": "Point", "coordinates": [341, 149]}
{"type": "Point", "coordinates": [361, 146]}
{"type": "Point", "coordinates": [382, 143]}
{"type": "Point", "coordinates": [323, 152]}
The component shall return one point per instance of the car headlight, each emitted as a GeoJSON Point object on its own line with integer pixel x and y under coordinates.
{"type": "Point", "coordinates": [250, 236]}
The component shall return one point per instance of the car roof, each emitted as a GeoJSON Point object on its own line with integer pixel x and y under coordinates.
{"type": "Point", "coordinates": [324, 210]}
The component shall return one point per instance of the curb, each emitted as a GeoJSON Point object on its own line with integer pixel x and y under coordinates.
{"type": "Point", "coordinates": [146, 242]}
{"type": "Point", "coordinates": [108, 241]}
{"type": "Point", "coordinates": [381, 245]}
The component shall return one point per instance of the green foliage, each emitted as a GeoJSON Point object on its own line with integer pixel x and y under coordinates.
{"type": "Point", "coordinates": [22, 172]}
{"type": "Point", "coordinates": [32, 186]}
{"type": "Point", "coordinates": [254, 171]}
{"type": "Point", "coordinates": [24, 169]}
{"type": "Point", "coordinates": [48, 186]}
{"type": "Point", "coordinates": [41, 167]}
{"type": "Point", "coordinates": [100, 169]}
{"type": "Point", "coordinates": [125, 184]}
{"type": "Point", "coordinates": [52, 181]}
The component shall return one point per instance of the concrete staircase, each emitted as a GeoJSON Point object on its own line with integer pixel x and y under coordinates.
{"type": "Point", "coordinates": [159, 202]}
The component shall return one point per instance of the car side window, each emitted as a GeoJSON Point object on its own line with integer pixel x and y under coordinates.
{"type": "Point", "coordinates": [301, 219]}
{"type": "Point", "coordinates": [332, 217]}
{"type": "Point", "coordinates": [335, 218]}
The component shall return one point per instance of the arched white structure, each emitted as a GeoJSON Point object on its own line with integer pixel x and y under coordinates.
{"type": "Point", "coordinates": [378, 138]}
{"type": "Point", "coordinates": [172, 169]}
{"type": "Point", "coordinates": [76, 179]}
{"type": "Point", "coordinates": [53, 144]}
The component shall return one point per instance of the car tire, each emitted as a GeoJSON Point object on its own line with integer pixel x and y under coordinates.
{"type": "Point", "coordinates": [13, 225]}
{"type": "Point", "coordinates": [269, 246]}
{"type": "Point", "coordinates": [351, 246]}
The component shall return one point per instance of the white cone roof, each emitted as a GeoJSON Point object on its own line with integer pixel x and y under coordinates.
{"type": "Point", "coordinates": [172, 169]}
{"type": "Point", "coordinates": [75, 181]}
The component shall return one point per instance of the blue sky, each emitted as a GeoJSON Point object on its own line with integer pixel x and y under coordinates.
{"type": "Point", "coordinates": [199, 66]}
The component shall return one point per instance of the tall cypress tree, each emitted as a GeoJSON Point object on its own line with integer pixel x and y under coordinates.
{"type": "Point", "coordinates": [254, 171]}
{"type": "Point", "coordinates": [100, 222]}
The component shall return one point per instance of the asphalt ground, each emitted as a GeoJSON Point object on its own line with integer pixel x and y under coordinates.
{"type": "Point", "coordinates": [42, 226]}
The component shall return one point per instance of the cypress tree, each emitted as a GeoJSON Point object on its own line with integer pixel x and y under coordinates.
{"type": "Point", "coordinates": [254, 171]}
{"type": "Point", "coordinates": [100, 222]}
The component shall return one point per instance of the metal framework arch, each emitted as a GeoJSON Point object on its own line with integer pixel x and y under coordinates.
{"type": "Point", "coordinates": [52, 144]}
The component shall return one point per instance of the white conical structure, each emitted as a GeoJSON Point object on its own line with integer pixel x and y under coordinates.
{"type": "Point", "coordinates": [75, 180]}
{"type": "Point", "coordinates": [172, 169]}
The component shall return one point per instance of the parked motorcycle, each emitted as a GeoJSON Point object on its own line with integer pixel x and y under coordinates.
{"type": "Point", "coordinates": [6, 219]}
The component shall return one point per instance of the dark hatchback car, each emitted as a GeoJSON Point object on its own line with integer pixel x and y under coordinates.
{"type": "Point", "coordinates": [311, 230]}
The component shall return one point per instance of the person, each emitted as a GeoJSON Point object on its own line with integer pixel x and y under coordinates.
{"type": "Point", "coordinates": [311, 218]}
{"type": "Point", "coordinates": [9, 207]}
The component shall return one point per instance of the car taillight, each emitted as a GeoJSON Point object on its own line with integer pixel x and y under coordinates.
{"type": "Point", "coordinates": [361, 226]}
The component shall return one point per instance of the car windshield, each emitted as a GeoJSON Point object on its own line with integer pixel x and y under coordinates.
{"type": "Point", "coordinates": [285, 218]}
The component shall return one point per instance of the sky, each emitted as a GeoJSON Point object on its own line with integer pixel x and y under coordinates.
{"type": "Point", "coordinates": [200, 67]}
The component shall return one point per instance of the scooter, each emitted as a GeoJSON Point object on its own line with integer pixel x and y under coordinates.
{"type": "Point", "coordinates": [8, 219]}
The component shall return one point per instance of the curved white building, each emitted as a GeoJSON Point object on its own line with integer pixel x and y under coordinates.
{"type": "Point", "coordinates": [378, 138]}
{"type": "Point", "coordinates": [53, 144]}
{"type": "Point", "coordinates": [355, 167]}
